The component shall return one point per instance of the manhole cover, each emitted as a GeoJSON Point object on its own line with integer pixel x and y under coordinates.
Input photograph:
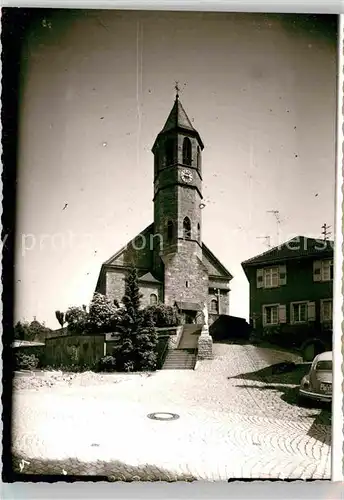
{"type": "Point", "coordinates": [163, 416]}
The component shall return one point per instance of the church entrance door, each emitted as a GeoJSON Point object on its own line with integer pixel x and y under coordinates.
{"type": "Point", "coordinates": [190, 317]}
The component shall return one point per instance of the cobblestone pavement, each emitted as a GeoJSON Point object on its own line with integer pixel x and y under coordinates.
{"type": "Point", "coordinates": [238, 419]}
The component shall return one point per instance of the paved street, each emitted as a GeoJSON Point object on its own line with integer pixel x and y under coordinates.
{"type": "Point", "coordinates": [237, 418]}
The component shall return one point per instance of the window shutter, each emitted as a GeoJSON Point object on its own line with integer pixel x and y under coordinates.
{"type": "Point", "coordinates": [282, 275]}
{"type": "Point", "coordinates": [264, 315]}
{"type": "Point", "coordinates": [260, 275]}
{"type": "Point", "coordinates": [311, 311]}
{"type": "Point", "coordinates": [317, 270]}
{"type": "Point", "coordinates": [291, 313]}
{"type": "Point", "coordinates": [282, 313]}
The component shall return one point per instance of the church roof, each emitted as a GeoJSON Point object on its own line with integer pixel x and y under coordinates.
{"type": "Point", "coordinates": [148, 230]}
{"type": "Point", "coordinates": [148, 278]}
{"type": "Point", "coordinates": [296, 248]}
{"type": "Point", "coordinates": [179, 120]}
{"type": "Point", "coordinates": [217, 263]}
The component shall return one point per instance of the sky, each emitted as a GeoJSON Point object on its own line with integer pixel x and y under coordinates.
{"type": "Point", "coordinates": [97, 87]}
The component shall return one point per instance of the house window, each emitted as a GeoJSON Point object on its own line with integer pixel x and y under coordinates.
{"type": "Point", "coordinates": [187, 151]}
{"type": "Point", "coordinates": [186, 284]}
{"type": "Point", "coordinates": [187, 229]}
{"type": "Point", "coordinates": [198, 232]}
{"type": "Point", "coordinates": [170, 151]}
{"type": "Point", "coordinates": [214, 306]}
{"type": "Point", "coordinates": [326, 310]}
{"type": "Point", "coordinates": [323, 270]}
{"type": "Point", "coordinates": [153, 300]}
{"type": "Point", "coordinates": [270, 315]}
{"type": "Point", "coordinates": [299, 312]}
{"type": "Point", "coordinates": [271, 277]}
{"type": "Point", "coordinates": [327, 270]}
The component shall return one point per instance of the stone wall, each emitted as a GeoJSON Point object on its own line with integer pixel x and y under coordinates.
{"type": "Point", "coordinates": [147, 289]}
{"type": "Point", "coordinates": [205, 347]}
{"type": "Point", "coordinates": [186, 278]}
{"type": "Point", "coordinates": [115, 284]}
{"type": "Point", "coordinates": [78, 350]}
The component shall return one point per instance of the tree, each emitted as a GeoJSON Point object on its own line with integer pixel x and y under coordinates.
{"type": "Point", "coordinates": [146, 344]}
{"type": "Point", "coordinates": [60, 316]}
{"type": "Point", "coordinates": [20, 330]}
{"type": "Point", "coordinates": [31, 331]}
{"type": "Point", "coordinates": [38, 331]}
{"type": "Point", "coordinates": [77, 319]}
{"type": "Point", "coordinates": [163, 315]}
{"type": "Point", "coordinates": [131, 322]}
{"type": "Point", "coordinates": [137, 345]}
{"type": "Point", "coordinates": [104, 315]}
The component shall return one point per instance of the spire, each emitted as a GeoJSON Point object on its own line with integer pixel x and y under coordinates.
{"type": "Point", "coordinates": [178, 119]}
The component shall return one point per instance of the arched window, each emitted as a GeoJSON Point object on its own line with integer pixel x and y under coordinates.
{"type": "Point", "coordinates": [153, 299]}
{"type": "Point", "coordinates": [187, 151]}
{"type": "Point", "coordinates": [170, 151]}
{"type": "Point", "coordinates": [170, 230]}
{"type": "Point", "coordinates": [187, 229]}
{"type": "Point", "coordinates": [199, 158]}
{"type": "Point", "coordinates": [198, 232]}
{"type": "Point", "coordinates": [214, 306]}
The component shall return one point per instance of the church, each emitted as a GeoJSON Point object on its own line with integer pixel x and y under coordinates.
{"type": "Point", "coordinates": [174, 266]}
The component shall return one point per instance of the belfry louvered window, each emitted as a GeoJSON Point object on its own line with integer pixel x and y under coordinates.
{"type": "Point", "coordinates": [187, 229]}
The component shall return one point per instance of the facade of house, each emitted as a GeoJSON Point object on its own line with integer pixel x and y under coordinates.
{"type": "Point", "coordinates": [174, 265]}
{"type": "Point", "coordinates": [291, 288]}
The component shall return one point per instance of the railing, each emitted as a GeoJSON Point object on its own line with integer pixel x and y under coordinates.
{"type": "Point", "coordinates": [162, 357]}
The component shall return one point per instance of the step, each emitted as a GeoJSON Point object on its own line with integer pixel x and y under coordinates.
{"type": "Point", "coordinates": [180, 359]}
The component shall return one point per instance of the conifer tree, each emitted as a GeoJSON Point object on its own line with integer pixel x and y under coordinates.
{"type": "Point", "coordinates": [130, 324]}
{"type": "Point", "coordinates": [136, 350]}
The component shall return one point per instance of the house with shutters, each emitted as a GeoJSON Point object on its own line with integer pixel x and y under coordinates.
{"type": "Point", "coordinates": [291, 288]}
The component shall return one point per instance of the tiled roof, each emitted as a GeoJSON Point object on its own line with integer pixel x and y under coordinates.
{"type": "Point", "coordinates": [296, 248]}
{"type": "Point", "coordinates": [148, 278]}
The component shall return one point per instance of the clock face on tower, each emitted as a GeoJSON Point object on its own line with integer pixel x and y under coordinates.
{"type": "Point", "coordinates": [186, 175]}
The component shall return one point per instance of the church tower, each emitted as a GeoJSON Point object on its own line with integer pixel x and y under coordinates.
{"type": "Point", "coordinates": [177, 210]}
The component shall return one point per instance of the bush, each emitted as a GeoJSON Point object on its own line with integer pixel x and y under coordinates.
{"type": "Point", "coordinates": [31, 331]}
{"type": "Point", "coordinates": [104, 315]}
{"type": "Point", "coordinates": [26, 361]}
{"type": "Point", "coordinates": [77, 319]}
{"type": "Point", "coordinates": [107, 364]}
{"type": "Point", "coordinates": [162, 315]}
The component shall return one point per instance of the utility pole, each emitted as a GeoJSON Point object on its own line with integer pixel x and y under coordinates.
{"type": "Point", "coordinates": [325, 231]}
{"type": "Point", "coordinates": [267, 240]}
{"type": "Point", "coordinates": [276, 214]}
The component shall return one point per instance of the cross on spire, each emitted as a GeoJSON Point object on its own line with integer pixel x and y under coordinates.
{"type": "Point", "coordinates": [177, 89]}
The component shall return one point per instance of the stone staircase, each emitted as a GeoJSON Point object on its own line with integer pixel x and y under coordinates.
{"type": "Point", "coordinates": [180, 359]}
{"type": "Point", "coordinates": [185, 356]}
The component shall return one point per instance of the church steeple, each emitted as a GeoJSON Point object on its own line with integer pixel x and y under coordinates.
{"type": "Point", "coordinates": [178, 122]}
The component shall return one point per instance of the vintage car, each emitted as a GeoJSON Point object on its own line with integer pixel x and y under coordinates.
{"type": "Point", "coordinates": [317, 384]}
